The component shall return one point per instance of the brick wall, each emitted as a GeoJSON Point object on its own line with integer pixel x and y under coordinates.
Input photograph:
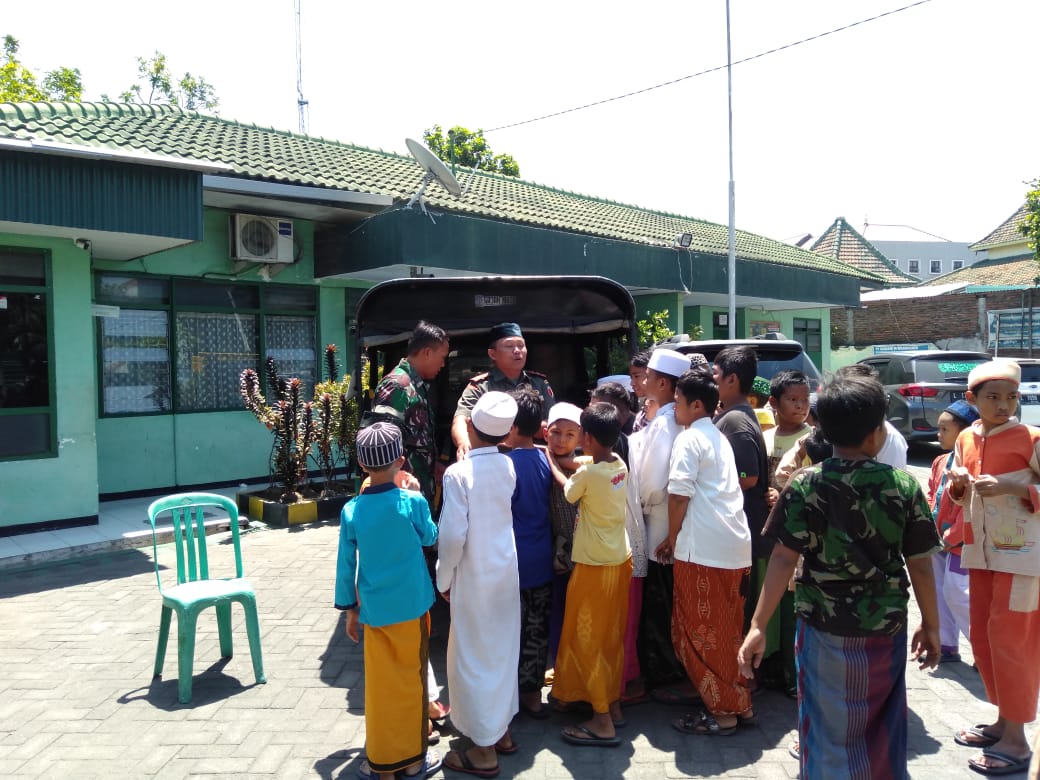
{"type": "Point", "coordinates": [909, 320]}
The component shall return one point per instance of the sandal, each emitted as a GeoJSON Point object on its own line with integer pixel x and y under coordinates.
{"type": "Point", "coordinates": [1009, 764]}
{"type": "Point", "coordinates": [703, 724]}
{"type": "Point", "coordinates": [467, 766]}
{"type": "Point", "coordinates": [586, 737]}
{"type": "Point", "coordinates": [975, 737]}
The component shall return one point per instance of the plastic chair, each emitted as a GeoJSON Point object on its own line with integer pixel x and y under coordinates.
{"type": "Point", "coordinates": [195, 591]}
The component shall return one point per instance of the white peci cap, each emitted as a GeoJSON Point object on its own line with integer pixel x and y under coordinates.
{"type": "Point", "coordinates": [494, 413]}
{"type": "Point", "coordinates": [670, 362]}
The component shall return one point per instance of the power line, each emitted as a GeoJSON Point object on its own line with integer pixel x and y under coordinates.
{"type": "Point", "coordinates": [709, 70]}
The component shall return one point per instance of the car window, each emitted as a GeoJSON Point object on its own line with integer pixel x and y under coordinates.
{"type": "Point", "coordinates": [945, 369]}
{"type": "Point", "coordinates": [1030, 372]}
{"type": "Point", "coordinates": [771, 363]}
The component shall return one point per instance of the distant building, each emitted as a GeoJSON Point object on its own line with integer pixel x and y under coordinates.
{"type": "Point", "coordinates": [927, 259]}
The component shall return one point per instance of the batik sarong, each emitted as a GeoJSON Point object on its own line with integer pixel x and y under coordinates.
{"type": "Point", "coordinates": [657, 659]}
{"type": "Point", "coordinates": [852, 720]}
{"type": "Point", "coordinates": [535, 606]}
{"type": "Point", "coordinates": [591, 652]}
{"type": "Point", "coordinates": [395, 694]}
{"type": "Point", "coordinates": [707, 630]}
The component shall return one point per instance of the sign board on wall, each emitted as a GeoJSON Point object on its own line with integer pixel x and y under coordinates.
{"type": "Point", "coordinates": [761, 327]}
{"type": "Point", "coordinates": [1010, 329]}
{"type": "Point", "coordinates": [881, 349]}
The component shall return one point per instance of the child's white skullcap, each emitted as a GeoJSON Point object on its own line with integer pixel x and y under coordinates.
{"type": "Point", "coordinates": [494, 413]}
{"type": "Point", "coordinates": [669, 361]}
{"type": "Point", "coordinates": [995, 369]}
{"type": "Point", "coordinates": [564, 411]}
{"type": "Point", "coordinates": [378, 445]}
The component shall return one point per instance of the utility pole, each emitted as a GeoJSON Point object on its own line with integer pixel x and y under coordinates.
{"type": "Point", "coordinates": [732, 191]}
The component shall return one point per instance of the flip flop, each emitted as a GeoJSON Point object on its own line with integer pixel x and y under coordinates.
{"type": "Point", "coordinates": [981, 738]}
{"type": "Point", "coordinates": [1012, 764]}
{"type": "Point", "coordinates": [506, 751]}
{"type": "Point", "coordinates": [466, 765]}
{"type": "Point", "coordinates": [702, 724]}
{"type": "Point", "coordinates": [591, 738]}
{"type": "Point", "coordinates": [747, 722]}
{"type": "Point", "coordinates": [431, 764]}
{"type": "Point", "coordinates": [794, 750]}
{"type": "Point", "coordinates": [620, 723]}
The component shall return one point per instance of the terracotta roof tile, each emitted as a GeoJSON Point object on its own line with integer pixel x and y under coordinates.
{"type": "Point", "coordinates": [1005, 233]}
{"type": "Point", "coordinates": [842, 242]}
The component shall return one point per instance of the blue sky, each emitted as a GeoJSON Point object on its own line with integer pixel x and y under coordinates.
{"type": "Point", "coordinates": [926, 118]}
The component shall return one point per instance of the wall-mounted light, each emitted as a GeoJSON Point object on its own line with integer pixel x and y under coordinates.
{"type": "Point", "coordinates": [683, 240]}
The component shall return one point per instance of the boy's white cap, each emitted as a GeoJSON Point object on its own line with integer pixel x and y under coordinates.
{"type": "Point", "coordinates": [995, 369]}
{"type": "Point", "coordinates": [622, 379]}
{"type": "Point", "coordinates": [668, 361]}
{"type": "Point", "coordinates": [564, 411]}
{"type": "Point", "coordinates": [494, 413]}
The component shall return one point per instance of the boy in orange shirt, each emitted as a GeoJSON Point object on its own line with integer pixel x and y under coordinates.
{"type": "Point", "coordinates": [996, 476]}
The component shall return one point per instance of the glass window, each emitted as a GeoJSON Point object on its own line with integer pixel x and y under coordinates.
{"type": "Point", "coordinates": [180, 345]}
{"type": "Point", "coordinates": [135, 362]}
{"type": "Point", "coordinates": [958, 264]}
{"type": "Point", "coordinates": [809, 334]}
{"type": "Point", "coordinates": [26, 402]}
{"type": "Point", "coordinates": [131, 290]}
{"type": "Point", "coordinates": [22, 267]}
{"type": "Point", "coordinates": [913, 266]}
{"type": "Point", "coordinates": [189, 292]}
{"type": "Point", "coordinates": [290, 341]}
{"type": "Point", "coordinates": [935, 266]}
{"type": "Point", "coordinates": [212, 350]}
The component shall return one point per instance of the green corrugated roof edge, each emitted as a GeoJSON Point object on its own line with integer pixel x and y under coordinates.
{"type": "Point", "coordinates": [1006, 232]}
{"type": "Point", "coordinates": [595, 216]}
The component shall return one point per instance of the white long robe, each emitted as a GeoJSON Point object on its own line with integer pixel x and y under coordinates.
{"type": "Point", "coordinates": [477, 563]}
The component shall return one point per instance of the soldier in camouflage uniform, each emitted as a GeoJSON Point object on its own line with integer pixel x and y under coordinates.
{"type": "Point", "coordinates": [508, 353]}
{"type": "Point", "coordinates": [404, 390]}
{"type": "Point", "coordinates": [861, 527]}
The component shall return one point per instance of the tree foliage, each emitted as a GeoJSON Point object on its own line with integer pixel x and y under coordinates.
{"type": "Point", "coordinates": [468, 148]}
{"type": "Point", "coordinates": [18, 83]}
{"type": "Point", "coordinates": [155, 77]}
{"type": "Point", "coordinates": [1030, 226]}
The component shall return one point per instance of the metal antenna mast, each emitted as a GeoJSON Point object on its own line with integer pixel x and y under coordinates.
{"type": "Point", "coordinates": [301, 102]}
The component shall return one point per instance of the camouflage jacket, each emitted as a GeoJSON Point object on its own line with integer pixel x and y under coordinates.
{"type": "Point", "coordinates": [855, 522]}
{"type": "Point", "coordinates": [405, 391]}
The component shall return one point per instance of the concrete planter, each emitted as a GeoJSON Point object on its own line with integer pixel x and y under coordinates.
{"type": "Point", "coordinates": [256, 506]}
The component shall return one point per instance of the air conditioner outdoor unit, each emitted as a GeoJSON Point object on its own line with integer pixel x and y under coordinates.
{"type": "Point", "coordinates": [262, 239]}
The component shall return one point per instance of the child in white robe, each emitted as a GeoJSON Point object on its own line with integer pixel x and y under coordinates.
{"type": "Point", "coordinates": [477, 574]}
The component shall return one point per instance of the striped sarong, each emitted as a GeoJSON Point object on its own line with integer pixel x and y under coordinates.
{"type": "Point", "coordinates": [707, 630]}
{"type": "Point", "coordinates": [852, 718]}
{"type": "Point", "coordinates": [591, 654]}
{"type": "Point", "coordinates": [395, 694]}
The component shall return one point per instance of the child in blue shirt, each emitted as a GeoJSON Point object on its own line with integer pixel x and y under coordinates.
{"type": "Point", "coordinates": [534, 548]}
{"type": "Point", "coordinates": [382, 582]}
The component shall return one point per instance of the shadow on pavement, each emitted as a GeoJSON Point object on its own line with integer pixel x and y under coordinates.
{"type": "Point", "coordinates": [41, 577]}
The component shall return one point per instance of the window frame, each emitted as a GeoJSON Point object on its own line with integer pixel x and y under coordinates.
{"type": "Point", "coordinates": [958, 265]}
{"type": "Point", "coordinates": [47, 290]}
{"type": "Point", "coordinates": [174, 306]}
{"type": "Point", "coordinates": [913, 266]}
{"type": "Point", "coordinates": [932, 266]}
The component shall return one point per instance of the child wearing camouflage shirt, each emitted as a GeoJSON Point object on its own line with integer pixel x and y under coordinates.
{"type": "Point", "coordinates": [862, 527]}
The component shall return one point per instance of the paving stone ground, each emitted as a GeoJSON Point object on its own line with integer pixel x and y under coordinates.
{"type": "Point", "coordinates": [77, 698]}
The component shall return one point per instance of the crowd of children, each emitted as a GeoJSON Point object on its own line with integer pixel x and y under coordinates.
{"type": "Point", "coordinates": [631, 557]}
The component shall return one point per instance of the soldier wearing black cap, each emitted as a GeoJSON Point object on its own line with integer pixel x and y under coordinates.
{"type": "Point", "coordinates": [508, 352]}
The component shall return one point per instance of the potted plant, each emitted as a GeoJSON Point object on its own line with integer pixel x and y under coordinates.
{"type": "Point", "coordinates": [322, 430]}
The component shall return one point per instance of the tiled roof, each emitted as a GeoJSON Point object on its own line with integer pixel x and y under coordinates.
{"type": "Point", "coordinates": [1013, 272]}
{"type": "Point", "coordinates": [842, 242]}
{"type": "Point", "coordinates": [1006, 233]}
{"type": "Point", "coordinates": [288, 158]}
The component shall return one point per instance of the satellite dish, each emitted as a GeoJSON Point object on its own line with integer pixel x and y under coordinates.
{"type": "Point", "coordinates": [435, 170]}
